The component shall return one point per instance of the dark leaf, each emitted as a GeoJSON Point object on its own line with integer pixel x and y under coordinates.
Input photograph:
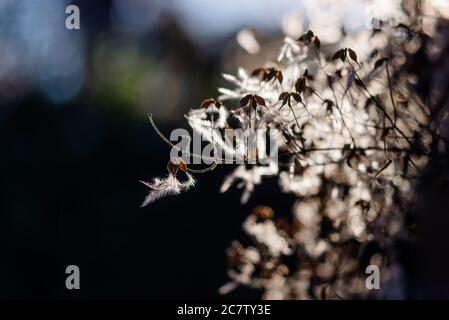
{"type": "Point", "coordinates": [283, 95]}
{"type": "Point", "coordinates": [245, 100]}
{"type": "Point", "coordinates": [259, 100]}
{"type": "Point", "coordinates": [317, 43]}
{"type": "Point", "coordinates": [338, 55]}
{"type": "Point", "coordinates": [286, 99]}
{"type": "Point", "coordinates": [379, 63]}
{"type": "Point", "coordinates": [352, 55]}
{"type": "Point", "coordinates": [300, 85]}
{"type": "Point", "coordinates": [296, 96]}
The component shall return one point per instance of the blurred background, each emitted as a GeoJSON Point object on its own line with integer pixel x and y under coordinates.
{"type": "Point", "coordinates": [75, 139]}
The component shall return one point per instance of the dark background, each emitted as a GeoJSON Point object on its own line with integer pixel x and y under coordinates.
{"type": "Point", "coordinates": [70, 171]}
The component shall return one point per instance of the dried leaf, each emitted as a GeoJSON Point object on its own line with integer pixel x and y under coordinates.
{"type": "Point", "coordinates": [296, 96]}
{"type": "Point", "coordinates": [352, 55]}
{"type": "Point", "coordinates": [300, 85]}
{"type": "Point", "coordinates": [283, 95]}
{"type": "Point", "coordinates": [269, 74]}
{"type": "Point", "coordinates": [317, 43]}
{"type": "Point", "coordinates": [279, 76]}
{"type": "Point", "coordinates": [245, 100]}
{"type": "Point", "coordinates": [259, 100]}
{"type": "Point", "coordinates": [207, 102]}
{"type": "Point", "coordinates": [380, 62]}
{"type": "Point", "coordinates": [338, 55]}
{"type": "Point", "coordinates": [263, 212]}
{"type": "Point", "coordinates": [286, 99]}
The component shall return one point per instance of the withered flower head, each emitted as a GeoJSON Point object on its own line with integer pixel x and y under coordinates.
{"type": "Point", "coordinates": [169, 185]}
